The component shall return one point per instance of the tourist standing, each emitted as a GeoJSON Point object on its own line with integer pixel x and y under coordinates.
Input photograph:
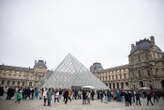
{"type": "Point", "coordinates": [101, 95]}
{"type": "Point", "coordinates": [45, 96]}
{"type": "Point", "coordinates": [155, 97]}
{"type": "Point", "coordinates": [88, 96]}
{"type": "Point", "coordinates": [56, 95]}
{"type": "Point", "coordinates": [138, 101]}
{"type": "Point", "coordinates": [36, 93]}
{"type": "Point", "coordinates": [118, 96]}
{"type": "Point", "coordinates": [84, 94]}
{"type": "Point", "coordinates": [60, 94]}
{"type": "Point", "coordinates": [149, 96]}
{"type": "Point", "coordinates": [79, 94]}
{"type": "Point", "coordinates": [130, 98]}
{"type": "Point", "coordinates": [126, 96]}
{"type": "Point", "coordinates": [49, 96]}
{"type": "Point", "coordinates": [92, 94]}
{"type": "Point", "coordinates": [109, 95]}
{"type": "Point", "coordinates": [66, 96]}
{"type": "Point", "coordinates": [1, 91]}
{"type": "Point", "coordinates": [19, 97]}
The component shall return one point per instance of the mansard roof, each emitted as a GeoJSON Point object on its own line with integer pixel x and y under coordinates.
{"type": "Point", "coordinates": [40, 63]}
{"type": "Point", "coordinates": [115, 68]}
{"type": "Point", "coordinates": [17, 68]}
{"type": "Point", "coordinates": [145, 44]}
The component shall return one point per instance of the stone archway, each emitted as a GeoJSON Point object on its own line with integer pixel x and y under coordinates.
{"type": "Point", "coordinates": [141, 84]}
{"type": "Point", "coordinates": [162, 84]}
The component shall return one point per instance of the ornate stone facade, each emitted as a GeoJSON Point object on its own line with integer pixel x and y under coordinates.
{"type": "Point", "coordinates": [145, 68]}
{"type": "Point", "coordinates": [13, 76]}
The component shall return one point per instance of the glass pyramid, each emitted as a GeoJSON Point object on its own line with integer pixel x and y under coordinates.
{"type": "Point", "coordinates": [70, 72]}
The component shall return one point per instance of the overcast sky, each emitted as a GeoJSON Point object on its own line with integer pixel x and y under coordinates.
{"type": "Point", "coordinates": [91, 30]}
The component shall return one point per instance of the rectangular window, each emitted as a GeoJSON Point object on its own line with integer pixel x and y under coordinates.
{"type": "Point", "coordinates": [2, 82]}
{"type": "Point", "coordinates": [120, 76]}
{"type": "Point", "coordinates": [139, 59]}
{"type": "Point", "coordinates": [30, 83]}
{"type": "Point", "coordinates": [22, 83]}
{"type": "Point", "coordinates": [13, 82]}
{"type": "Point", "coordinates": [146, 56]}
{"type": "Point", "coordinates": [139, 73]}
{"type": "Point", "coordinates": [124, 75]}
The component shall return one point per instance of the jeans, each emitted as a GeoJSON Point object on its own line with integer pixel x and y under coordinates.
{"type": "Point", "coordinates": [84, 101]}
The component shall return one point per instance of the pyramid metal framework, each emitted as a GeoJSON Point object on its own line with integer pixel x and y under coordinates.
{"type": "Point", "coordinates": [71, 72]}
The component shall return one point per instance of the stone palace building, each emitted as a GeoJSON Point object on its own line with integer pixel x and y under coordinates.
{"type": "Point", "coordinates": [12, 76]}
{"type": "Point", "coordinates": [145, 68]}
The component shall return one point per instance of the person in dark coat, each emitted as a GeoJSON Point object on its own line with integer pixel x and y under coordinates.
{"type": "Point", "coordinates": [101, 95]}
{"type": "Point", "coordinates": [1, 91]}
{"type": "Point", "coordinates": [130, 98]}
{"type": "Point", "coordinates": [9, 92]}
{"type": "Point", "coordinates": [155, 97]}
{"type": "Point", "coordinates": [66, 96]}
{"type": "Point", "coordinates": [92, 95]}
{"type": "Point", "coordinates": [84, 94]}
{"type": "Point", "coordinates": [109, 95]}
{"type": "Point", "coordinates": [149, 96]}
{"type": "Point", "coordinates": [138, 101]}
{"type": "Point", "coordinates": [126, 98]}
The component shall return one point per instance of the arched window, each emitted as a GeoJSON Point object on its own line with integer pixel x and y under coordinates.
{"type": "Point", "coordinates": [127, 84]}
{"type": "Point", "coordinates": [8, 82]}
{"type": "Point", "coordinates": [141, 84]}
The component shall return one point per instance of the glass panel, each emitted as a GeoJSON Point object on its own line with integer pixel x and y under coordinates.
{"type": "Point", "coordinates": [71, 72]}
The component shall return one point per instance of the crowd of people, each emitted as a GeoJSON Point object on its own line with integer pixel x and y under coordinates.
{"type": "Point", "coordinates": [129, 97]}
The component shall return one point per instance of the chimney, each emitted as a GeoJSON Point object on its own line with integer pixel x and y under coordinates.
{"type": "Point", "coordinates": [132, 46]}
{"type": "Point", "coordinates": [152, 39]}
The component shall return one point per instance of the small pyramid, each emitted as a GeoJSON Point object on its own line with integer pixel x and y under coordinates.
{"type": "Point", "coordinates": [70, 72]}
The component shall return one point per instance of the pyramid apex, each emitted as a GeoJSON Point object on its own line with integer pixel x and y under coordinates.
{"type": "Point", "coordinates": [69, 54]}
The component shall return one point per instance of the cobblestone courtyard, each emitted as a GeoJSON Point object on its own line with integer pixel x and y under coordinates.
{"type": "Point", "coordinates": [75, 105]}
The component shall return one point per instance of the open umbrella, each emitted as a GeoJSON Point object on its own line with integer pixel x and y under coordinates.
{"type": "Point", "coordinates": [126, 88]}
{"type": "Point", "coordinates": [88, 87]}
{"type": "Point", "coordinates": [144, 88]}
